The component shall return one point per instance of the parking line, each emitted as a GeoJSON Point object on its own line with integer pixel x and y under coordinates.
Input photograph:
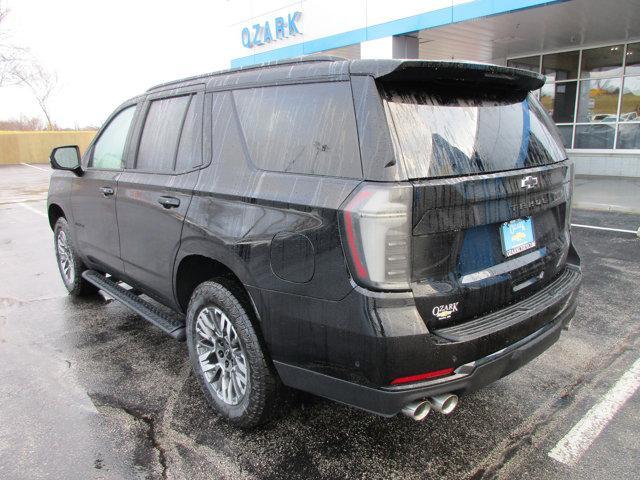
{"type": "Point", "coordinates": [573, 445]}
{"type": "Point", "coordinates": [604, 228]}
{"type": "Point", "coordinates": [37, 168]}
{"type": "Point", "coordinates": [31, 209]}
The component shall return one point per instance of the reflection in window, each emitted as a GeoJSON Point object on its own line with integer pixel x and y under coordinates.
{"type": "Point", "coordinates": [633, 59]}
{"type": "Point", "coordinates": [108, 150]}
{"type": "Point", "coordinates": [561, 66]}
{"type": "Point", "coordinates": [596, 135]}
{"type": "Point", "coordinates": [566, 132]}
{"type": "Point", "coordinates": [602, 62]}
{"type": "Point", "coordinates": [527, 63]}
{"type": "Point", "coordinates": [630, 109]}
{"type": "Point", "coordinates": [598, 101]}
{"type": "Point", "coordinates": [629, 136]}
{"type": "Point", "coordinates": [559, 100]}
{"type": "Point", "coordinates": [307, 129]}
{"type": "Point", "coordinates": [161, 132]}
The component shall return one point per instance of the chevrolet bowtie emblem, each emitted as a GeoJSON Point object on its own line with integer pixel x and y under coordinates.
{"type": "Point", "coordinates": [529, 182]}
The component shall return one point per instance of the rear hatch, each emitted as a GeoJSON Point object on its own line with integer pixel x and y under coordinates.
{"type": "Point", "coordinates": [491, 190]}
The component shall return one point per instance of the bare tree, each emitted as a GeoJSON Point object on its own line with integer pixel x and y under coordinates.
{"type": "Point", "coordinates": [19, 67]}
{"type": "Point", "coordinates": [9, 54]}
{"type": "Point", "coordinates": [41, 83]}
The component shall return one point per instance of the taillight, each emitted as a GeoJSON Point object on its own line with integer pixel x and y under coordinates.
{"type": "Point", "coordinates": [375, 223]}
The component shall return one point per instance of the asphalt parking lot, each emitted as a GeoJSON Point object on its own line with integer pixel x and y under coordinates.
{"type": "Point", "coordinates": [90, 390]}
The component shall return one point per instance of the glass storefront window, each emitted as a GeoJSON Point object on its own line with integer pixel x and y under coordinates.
{"type": "Point", "coordinates": [598, 100]}
{"type": "Point", "coordinates": [561, 66]}
{"type": "Point", "coordinates": [566, 132]}
{"type": "Point", "coordinates": [602, 62]}
{"type": "Point", "coordinates": [596, 135]}
{"type": "Point", "coordinates": [526, 63]}
{"type": "Point", "coordinates": [630, 109]}
{"type": "Point", "coordinates": [592, 95]}
{"type": "Point", "coordinates": [633, 59]}
{"type": "Point", "coordinates": [629, 136]}
{"type": "Point", "coordinates": [559, 100]}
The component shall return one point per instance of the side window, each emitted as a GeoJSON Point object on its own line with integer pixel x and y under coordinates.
{"type": "Point", "coordinates": [109, 148]}
{"type": "Point", "coordinates": [190, 147]}
{"type": "Point", "coordinates": [308, 128]}
{"type": "Point", "coordinates": [161, 134]}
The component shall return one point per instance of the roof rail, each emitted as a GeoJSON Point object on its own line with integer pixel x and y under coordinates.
{"type": "Point", "coordinates": [286, 61]}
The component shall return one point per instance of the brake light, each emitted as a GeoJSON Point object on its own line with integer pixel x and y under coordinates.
{"type": "Point", "coordinates": [375, 224]}
{"type": "Point", "coordinates": [423, 376]}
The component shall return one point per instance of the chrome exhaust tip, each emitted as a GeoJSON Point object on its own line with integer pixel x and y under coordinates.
{"type": "Point", "coordinates": [445, 403]}
{"type": "Point", "coordinates": [417, 410]}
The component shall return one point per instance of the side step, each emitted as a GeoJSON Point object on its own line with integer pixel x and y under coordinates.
{"type": "Point", "coordinates": [170, 324]}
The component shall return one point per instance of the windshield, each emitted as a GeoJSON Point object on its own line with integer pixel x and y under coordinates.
{"type": "Point", "coordinates": [438, 134]}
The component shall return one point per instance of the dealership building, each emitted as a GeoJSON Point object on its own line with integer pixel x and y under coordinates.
{"type": "Point", "coordinates": [589, 51]}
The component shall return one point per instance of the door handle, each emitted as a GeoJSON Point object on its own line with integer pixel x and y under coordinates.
{"type": "Point", "coordinates": [169, 202]}
{"type": "Point", "coordinates": [107, 191]}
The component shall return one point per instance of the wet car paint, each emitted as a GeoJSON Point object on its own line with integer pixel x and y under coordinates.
{"type": "Point", "coordinates": [150, 417]}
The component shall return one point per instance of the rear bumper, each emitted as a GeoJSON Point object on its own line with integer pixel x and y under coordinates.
{"type": "Point", "coordinates": [550, 315]}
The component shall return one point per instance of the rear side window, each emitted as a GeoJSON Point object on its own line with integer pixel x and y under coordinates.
{"type": "Point", "coordinates": [161, 134]}
{"type": "Point", "coordinates": [308, 128]}
{"type": "Point", "coordinates": [446, 134]}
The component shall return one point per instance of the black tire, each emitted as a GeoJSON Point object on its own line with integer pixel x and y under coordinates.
{"type": "Point", "coordinates": [257, 403]}
{"type": "Point", "coordinates": [73, 281]}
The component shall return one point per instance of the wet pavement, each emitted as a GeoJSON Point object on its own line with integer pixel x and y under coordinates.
{"type": "Point", "coordinates": [90, 390]}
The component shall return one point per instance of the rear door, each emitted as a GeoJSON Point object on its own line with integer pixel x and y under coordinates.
{"type": "Point", "coordinates": [156, 188]}
{"type": "Point", "coordinates": [93, 198]}
{"type": "Point", "coordinates": [491, 196]}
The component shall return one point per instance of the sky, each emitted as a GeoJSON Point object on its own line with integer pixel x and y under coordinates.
{"type": "Point", "coordinates": [105, 52]}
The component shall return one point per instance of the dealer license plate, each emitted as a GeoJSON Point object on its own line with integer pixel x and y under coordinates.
{"type": "Point", "coordinates": [517, 236]}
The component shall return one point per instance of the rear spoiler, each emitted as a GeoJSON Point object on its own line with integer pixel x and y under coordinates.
{"type": "Point", "coordinates": [443, 73]}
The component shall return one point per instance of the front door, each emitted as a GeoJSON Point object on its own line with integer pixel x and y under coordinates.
{"type": "Point", "coordinates": [93, 198]}
{"type": "Point", "coordinates": [155, 190]}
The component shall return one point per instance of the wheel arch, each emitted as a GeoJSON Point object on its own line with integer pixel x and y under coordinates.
{"type": "Point", "coordinates": [55, 212]}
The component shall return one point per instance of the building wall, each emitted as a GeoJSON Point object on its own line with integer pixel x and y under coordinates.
{"type": "Point", "coordinates": [329, 24]}
{"type": "Point", "coordinates": [35, 147]}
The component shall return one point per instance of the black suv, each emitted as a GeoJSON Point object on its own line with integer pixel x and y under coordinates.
{"type": "Point", "coordinates": [383, 233]}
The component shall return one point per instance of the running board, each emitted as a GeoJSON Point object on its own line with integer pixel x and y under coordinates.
{"type": "Point", "coordinates": [170, 324]}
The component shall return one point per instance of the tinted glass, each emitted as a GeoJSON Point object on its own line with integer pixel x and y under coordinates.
{"type": "Point", "coordinates": [559, 100]}
{"type": "Point", "coordinates": [629, 136]}
{"type": "Point", "coordinates": [301, 128]}
{"type": "Point", "coordinates": [633, 59]}
{"type": "Point", "coordinates": [190, 147]}
{"type": "Point", "coordinates": [598, 100]}
{"type": "Point", "coordinates": [630, 109]}
{"type": "Point", "coordinates": [561, 66]}
{"type": "Point", "coordinates": [566, 132]}
{"type": "Point", "coordinates": [441, 135]}
{"type": "Point", "coordinates": [602, 62]}
{"type": "Point", "coordinates": [159, 142]}
{"type": "Point", "coordinates": [108, 150]}
{"type": "Point", "coordinates": [597, 135]}
{"type": "Point", "coordinates": [527, 63]}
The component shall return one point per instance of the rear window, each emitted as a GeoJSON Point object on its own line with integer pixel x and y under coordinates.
{"type": "Point", "coordinates": [439, 134]}
{"type": "Point", "coordinates": [309, 128]}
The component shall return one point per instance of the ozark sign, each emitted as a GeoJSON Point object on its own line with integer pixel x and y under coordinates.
{"type": "Point", "coordinates": [271, 31]}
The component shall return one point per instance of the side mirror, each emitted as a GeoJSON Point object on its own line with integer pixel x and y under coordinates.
{"type": "Point", "coordinates": [66, 158]}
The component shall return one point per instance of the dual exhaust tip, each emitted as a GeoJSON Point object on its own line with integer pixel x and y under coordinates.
{"type": "Point", "coordinates": [419, 409]}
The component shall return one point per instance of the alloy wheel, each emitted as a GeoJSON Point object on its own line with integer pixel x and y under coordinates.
{"type": "Point", "coordinates": [65, 258]}
{"type": "Point", "coordinates": [221, 355]}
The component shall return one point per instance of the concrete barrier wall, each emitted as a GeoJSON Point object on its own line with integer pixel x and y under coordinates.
{"type": "Point", "coordinates": [35, 147]}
